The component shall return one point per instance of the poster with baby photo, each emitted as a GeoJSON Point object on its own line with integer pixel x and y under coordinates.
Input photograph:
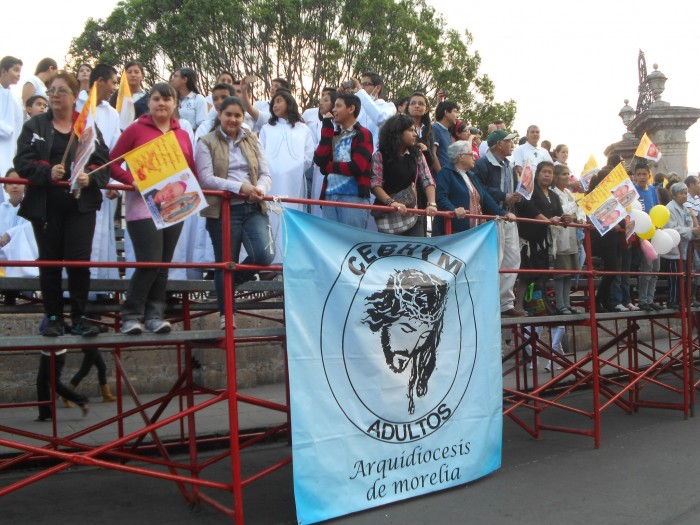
{"type": "Point", "coordinates": [625, 193]}
{"type": "Point", "coordinates": [174, 199]}
{"type": "Point", "coordinates": [607, 215]}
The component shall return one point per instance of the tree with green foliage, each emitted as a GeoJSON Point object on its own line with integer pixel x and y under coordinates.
{"type": "Point", "coordinates": [312, 43]}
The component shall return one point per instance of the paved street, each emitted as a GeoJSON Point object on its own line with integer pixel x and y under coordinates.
{"type": "Point", "coordinates": [644, 473]}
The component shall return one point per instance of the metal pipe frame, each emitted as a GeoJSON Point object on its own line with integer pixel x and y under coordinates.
{"type": "Point", "coordinates": [618, 379]}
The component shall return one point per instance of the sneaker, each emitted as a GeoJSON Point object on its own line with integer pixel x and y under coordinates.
{"type": "Point", "coordinates": [158, 326]}
{"type": "Point", "coordinates": [85, 328]}
{"type": "Point", "coordinates": [632, 308]}
{"type": "Point", "coordinates": [132, 327]}
{"type": "Point", "coordinates": [54, 327]}
{"type": "Point", "coordinates": [619, 308]}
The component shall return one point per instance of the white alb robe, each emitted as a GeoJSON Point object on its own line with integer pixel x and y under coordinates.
{"type": "Point", "coordinates": [289, 152]}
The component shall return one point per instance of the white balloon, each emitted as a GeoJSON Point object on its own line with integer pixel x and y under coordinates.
{"type": "Point", "coordinates": [642, 221]}
{"type": "Point", "coordinates": [662, 242]}
{"type": "Point", "coordinates": [675, 236]}
{"type": "Point", "coordinates": [636, 205]}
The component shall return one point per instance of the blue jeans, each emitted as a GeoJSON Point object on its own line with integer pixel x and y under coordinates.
{"type": "Point", "coordinates": [250, 227]}
{"type": "Point", "coordinates": [350, 216]}
{"type": "Point", "coordinates": [621, 287]}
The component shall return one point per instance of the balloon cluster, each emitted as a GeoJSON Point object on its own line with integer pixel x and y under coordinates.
{"type": "Point", "coordinates": [653, 240]}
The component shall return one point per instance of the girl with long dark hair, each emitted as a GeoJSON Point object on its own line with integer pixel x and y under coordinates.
{"type": "Point", "coordinates": [289, 149]}
{"type": "Point", "coordinates": [192, 105]}
{"type": "Point", "coordinates": [398, 166]}
{"type": "Point", "coordinates": [230, 158]}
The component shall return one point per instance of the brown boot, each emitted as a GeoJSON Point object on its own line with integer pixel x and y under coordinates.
{"type": "Point", "coordinates": [107, 396]}
{"type": "Point", "coordinates": [68, 403]}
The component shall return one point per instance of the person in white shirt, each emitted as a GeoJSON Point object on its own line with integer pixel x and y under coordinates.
{"type": "Point", "coordinates": [83, 77]}
{"type": "Point", "coordinates": [225, 77]}
{"type": "Point", "coordinates": [11, 118]}
{"type": "Point", "coordinates": [261, 110]}
{"type": "Point", "coordinates": [311, 115]}
{"type": "Point", "coordinates": [493, 126]}
{"type": "Point", "coordinates": [230, 158]}
{"type": "Point", "coordinates": [375, 110]}
{"type": "Point", "coordinates": [46, 71]}
{"type": "Point", "coordinates": [315, 124]}
{"type": "Point", "coordinates": [529, 151]}
{"type": "Point", "coordinates": [289, 150]}
{"type": "Point", "coordinates": [219, 93]}
{"type": "Point", "coordinates": [193, 106]}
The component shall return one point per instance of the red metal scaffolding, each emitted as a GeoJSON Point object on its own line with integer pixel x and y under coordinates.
{"type": "Point", "coordinates": [621, 372]}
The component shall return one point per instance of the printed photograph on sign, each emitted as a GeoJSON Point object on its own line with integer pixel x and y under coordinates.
{"type": "Point", "coordinates": [625, 193]}
{"type": "Point", "coordinates": [174, 199]}
{"type": "Point", "coordinates": [608, 215]}
{"type": "Point", "coordinates": [85, 149]}
{"type": "Point", "coordinates": [527, 182]}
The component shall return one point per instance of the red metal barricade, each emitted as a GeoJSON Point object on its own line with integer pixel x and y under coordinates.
{"type": "Point", "coordinates": [620, 369]}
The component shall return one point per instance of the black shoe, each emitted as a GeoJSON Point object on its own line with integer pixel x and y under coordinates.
{"type": "Point", "coordinates": [646, 307]}
{"type": "Point", "coordinates": [600, 308]}
{"type": "Point", "coordinates": [656, 307]}
{"type": "Point", "coordinates": [43, 418]}
{"type": "Point", "coordinates": [85, 328]}
{"type": "Point", "coordinates": [54, 327]}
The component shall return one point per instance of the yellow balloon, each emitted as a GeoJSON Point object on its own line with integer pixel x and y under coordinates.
{"type": "Point", "coordinates": [649, 233]}
{"type": "Point", "coordinates": [659, 216]}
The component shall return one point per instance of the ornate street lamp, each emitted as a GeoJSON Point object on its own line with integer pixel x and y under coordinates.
{"type": "Point", "coordinates": [657, 82]}
{"type": "Point", "coordinates": [627, 113]}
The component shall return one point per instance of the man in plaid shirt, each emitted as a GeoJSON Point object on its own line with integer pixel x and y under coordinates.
{"type": "Point", "coordinates": [344, 156]}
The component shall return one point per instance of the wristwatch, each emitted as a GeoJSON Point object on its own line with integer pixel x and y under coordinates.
{"type": "Point", "coordinates": [388, 201]}
{"type": "Point", "coordinates": [433, 204]}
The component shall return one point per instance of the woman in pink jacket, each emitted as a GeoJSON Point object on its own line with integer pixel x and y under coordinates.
{"type": "Point", "coordinates": [145, 298]}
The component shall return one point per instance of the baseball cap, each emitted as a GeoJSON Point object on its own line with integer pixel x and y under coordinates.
{"type": "Point", "coordinates": [498, 136]}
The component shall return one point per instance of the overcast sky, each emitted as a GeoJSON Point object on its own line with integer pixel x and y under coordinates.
{"type": "Point", "coordinates": [568, 65]}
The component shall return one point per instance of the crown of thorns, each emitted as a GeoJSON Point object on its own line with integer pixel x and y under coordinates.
{"type": "Point", "coordinates": [420, 295]}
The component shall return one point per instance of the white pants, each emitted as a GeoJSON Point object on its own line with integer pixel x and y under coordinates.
{"type": "Point", "coordinates": [508, 258]}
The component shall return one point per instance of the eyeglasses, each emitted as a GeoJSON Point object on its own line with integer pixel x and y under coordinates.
{"type": "Point", "coordinates": [61, 92]}
{"type": "Point", "coordinates": [366, 84]}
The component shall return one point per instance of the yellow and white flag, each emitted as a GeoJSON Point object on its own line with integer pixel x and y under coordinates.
{"type": "Point", "coordinates": [589, 170]}
{"type": "Point", "coordinates": [125, 104]}
{"type": "Point", "coordinates": [90, 104]}
{"type": "Point", "coordinates": [647, 149]}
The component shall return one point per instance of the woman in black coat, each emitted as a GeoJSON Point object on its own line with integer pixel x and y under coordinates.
{"type": "Point", "coordinates": [543, 205]}
{"type": "Point", "coordinates": [63, 220]}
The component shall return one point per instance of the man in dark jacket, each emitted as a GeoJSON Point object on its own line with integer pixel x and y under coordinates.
{"type": "Point", "coordinates": [497, 176]}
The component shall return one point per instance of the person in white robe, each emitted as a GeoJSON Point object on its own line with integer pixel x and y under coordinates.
{"type": "Point", "coordinates": [104, 243]}
{"type": "Point", "coordinates": [289, 150]}
{"type": "Point", "coordinates": [314, 121]}
{"type": "Point", "coordinates": [11, 113]}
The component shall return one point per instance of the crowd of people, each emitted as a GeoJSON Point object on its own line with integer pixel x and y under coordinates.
{"type": "Point", "coordinates": [356, 147]}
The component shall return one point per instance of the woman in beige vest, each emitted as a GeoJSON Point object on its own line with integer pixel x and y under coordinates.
{"type": "Point", "coordinates": [229, 158]}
